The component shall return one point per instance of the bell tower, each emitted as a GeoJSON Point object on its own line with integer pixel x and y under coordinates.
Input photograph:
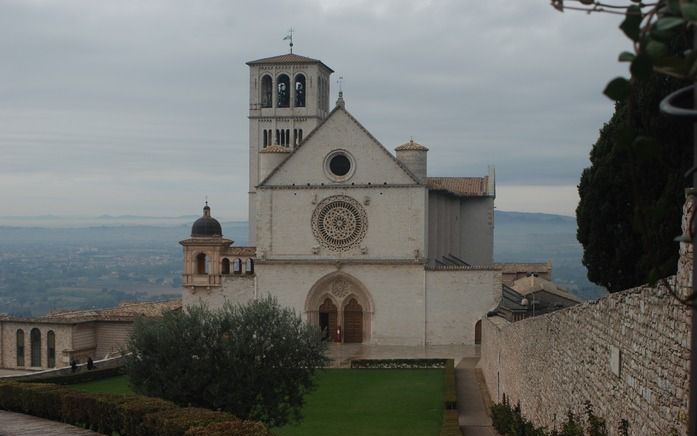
{"type": "Point", "coordinates": [288, 98]}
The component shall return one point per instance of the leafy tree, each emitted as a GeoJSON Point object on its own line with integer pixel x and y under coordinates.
{"type": "Point", "coordinates": [632, 194]}
{"type": "Point", "coordinates": [255, 361]}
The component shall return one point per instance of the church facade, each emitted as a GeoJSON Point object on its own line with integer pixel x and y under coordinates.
{"type": "Point", "coordinates": [360, 241]}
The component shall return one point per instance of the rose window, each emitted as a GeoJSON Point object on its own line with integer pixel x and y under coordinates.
{"type": "Point", "coordinates": [339, 222]}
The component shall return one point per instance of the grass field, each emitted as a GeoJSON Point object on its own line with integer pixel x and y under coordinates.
{"type": "Point", "coordinates": [350, 402]}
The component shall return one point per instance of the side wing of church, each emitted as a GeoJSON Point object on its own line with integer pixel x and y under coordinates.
{"type": "Point", "coordinates": [360, 241]}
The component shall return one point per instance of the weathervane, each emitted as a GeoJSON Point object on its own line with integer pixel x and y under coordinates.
{"type": "Point", "coordinates": [289, 36]}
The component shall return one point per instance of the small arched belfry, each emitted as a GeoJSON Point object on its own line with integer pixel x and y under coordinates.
{"type": "Point", "coordinates": [209, 258]}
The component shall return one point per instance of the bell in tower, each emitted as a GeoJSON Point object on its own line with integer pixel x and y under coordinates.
{"type": "Point", "coordinates": [288, 98]}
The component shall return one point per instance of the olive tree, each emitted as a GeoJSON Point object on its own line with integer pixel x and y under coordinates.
{"type": "Point", "coordinates": [255, 360]}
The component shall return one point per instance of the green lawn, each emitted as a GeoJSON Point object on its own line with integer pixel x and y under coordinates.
{"type": "Point", "coordinates": [350, 402]}
{"type": "Point", "coordinates": [367, 402]}
{"type": "Point", "coordinates": [114, 385]}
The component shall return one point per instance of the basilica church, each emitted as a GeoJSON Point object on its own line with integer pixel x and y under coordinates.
{"type": "Point", "coordinates": [359, 240]}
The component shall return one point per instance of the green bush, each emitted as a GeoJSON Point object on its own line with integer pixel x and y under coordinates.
{"type": "Point", "coordinates": [256, 361]}
{"type": "Point", "coordinates": [127, 415]}
{"type": "Point", "coordinates": [228, 428]}
{"type": "Point", "coordinates": [175, 422]}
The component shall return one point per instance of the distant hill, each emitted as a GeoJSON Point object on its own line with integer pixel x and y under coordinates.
{"type": "Point", "coordinates": [538, 237]}
{"type": "Point", "coordinates": [519, 237]}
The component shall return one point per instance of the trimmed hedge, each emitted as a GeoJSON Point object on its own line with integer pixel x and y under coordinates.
{"type": "Point", "coordinates": [126, 415]}
{"type": "Point", "coordinates": [450, 394]}
{"type": "Point", "coordinates": [398, 363]}
{"type": "Point", "coordinates": [450, 425]}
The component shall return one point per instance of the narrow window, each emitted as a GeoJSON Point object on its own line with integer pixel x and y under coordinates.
{"type": "Point", "coordinates": [287, 137]}
{"type": "Point", "coordinates": [283, 98]}
{"type": "Point", "coordinates": [51, 349]}
{"type": "Point", "coordinates": [249, 267]}
{"type": "Point", "coordinates": [20, 347]}
{"type": "Point", "coordinates": [295, 137]}
{"type": "Point", "coordinates": [283, 137]}
{"type": "Point", "coordinates": [226, 266]}
{"type": "Point", "coordinates": [266, 142]}
{"type": "Point", "coordinates": [266, 91]}
{"type": "Point", "coordinates": [300, 136]}
{"type": "Point", "coordinates": [35, 338]}
{"type": "Point", "coordinates": [278, 137]}
{"type": "Point", "coordinates": [299, 90]}
{"type": "Point", "coordinates": [201, 264]}
{"type": "Point", "coordinates": [236, 266]}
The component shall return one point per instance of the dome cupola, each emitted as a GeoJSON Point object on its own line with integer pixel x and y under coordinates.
{"type": "Point", "coordinates": [206, 226]}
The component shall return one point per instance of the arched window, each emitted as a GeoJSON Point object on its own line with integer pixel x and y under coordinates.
{"type": "Point", "coordinates": [226, 266]}
{"type": "Point", "coordinates": [249, 266]}
{"type": "Point", "coordinates": [237, 266]}
{"type": "Point", "coordinates": [201, 264]}
{"type": "Point", "coordinates": [300, 136]}
{"type": "Point", "coordinates": [266, 91]}
{"type": "Point", "coordinates": [295, 137]}
{"type": "Point", "coordinates": [278, 137]}
{"type": "Point", "coordinates": [266, 138]}
{"type": "Point", "coordinates": [283, 99]}
{"type": "Point", "coordinates": [287, 137]}
{"type": "Point", "coordinates": [283, 137]}
{"type": "Point", "coordinates": [299, 90]}
{"type": "Point", "coordinates": [20, 347]}
{"type": "Point", "coordinates": [51, 349]}
{"type": "Point", "coordinates": [35, 338]}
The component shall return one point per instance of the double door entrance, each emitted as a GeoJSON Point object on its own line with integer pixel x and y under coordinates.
{"type": "Point", "coordinates": [341, 326]}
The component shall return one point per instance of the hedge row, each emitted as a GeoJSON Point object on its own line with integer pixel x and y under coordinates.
{"type": "Point", "coordinates": [398, 363]}
{"type": "Point", "coordinates": [450, 425]}
{"type": "Point", "coordinates": [126, 415]}
{"type": "Point", "coordinates": [450, 394]}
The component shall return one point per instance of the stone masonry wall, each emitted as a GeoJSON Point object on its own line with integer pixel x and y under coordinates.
{"type": "Point", "coordinates": [628, 354]}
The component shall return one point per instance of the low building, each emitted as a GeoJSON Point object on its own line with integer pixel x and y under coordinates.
{"type": "Point", "coordinates": [54, 340]}
{"type": "Point", "coordinates": [531, 296]}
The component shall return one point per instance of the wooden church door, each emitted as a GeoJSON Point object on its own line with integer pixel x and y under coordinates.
{"type": "Point", "coordinates": [327, 318]}
{"type": "Point", "coordinates": [353, 322]}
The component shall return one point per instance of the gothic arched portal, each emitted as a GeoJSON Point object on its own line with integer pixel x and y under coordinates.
{"type": "Point", "coordinates": [339, 300]}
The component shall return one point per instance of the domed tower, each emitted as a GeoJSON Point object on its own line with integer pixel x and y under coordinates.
{"type": "Point", "coordinates": [203, 253]}
{"type": "Point", "coordinates": [413, 156]}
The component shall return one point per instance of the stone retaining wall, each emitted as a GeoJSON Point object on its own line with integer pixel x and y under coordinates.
{"type": "Point", "coordinates": [628, 354]}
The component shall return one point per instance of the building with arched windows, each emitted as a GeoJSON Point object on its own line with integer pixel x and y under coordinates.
{"type": "Point", "coordinates": [362, 242]}
{"type": "Point", "coordinates": [54, 340]}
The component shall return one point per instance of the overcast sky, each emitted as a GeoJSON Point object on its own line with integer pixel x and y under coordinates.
{"type": "Point", "coordinates": [140, 107]}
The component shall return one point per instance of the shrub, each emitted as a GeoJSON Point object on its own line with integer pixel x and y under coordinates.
{"type": "Point", "coordinates": [128, 415]}
{"type": "Point", "coordinates": [398, 363]}
{"type": "Point", "coordinates": [228, 428]}
{"type": "Point", "coordinates": [255, 361]}
{"type": "Point", "coordinates": [175, 422]}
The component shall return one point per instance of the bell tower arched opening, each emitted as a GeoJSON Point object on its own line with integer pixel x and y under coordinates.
{"type": "Point", "coordinates": [340, 302]}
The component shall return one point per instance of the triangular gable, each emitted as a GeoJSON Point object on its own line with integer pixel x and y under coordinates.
{"type": "Point", "coordinates": [340, 130]}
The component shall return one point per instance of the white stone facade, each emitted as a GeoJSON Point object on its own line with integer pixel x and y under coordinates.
{"type": "Point", "coordinates": [360, 243]}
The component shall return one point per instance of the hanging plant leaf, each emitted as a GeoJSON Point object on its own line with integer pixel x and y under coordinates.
{"type": "Point", "coordinates": [617, 89]}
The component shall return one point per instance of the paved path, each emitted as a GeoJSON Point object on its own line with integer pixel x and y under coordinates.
{"type": "Point", "coordinates": [17, 424]}
{"type": "Point", "coordinates": [474, 420]}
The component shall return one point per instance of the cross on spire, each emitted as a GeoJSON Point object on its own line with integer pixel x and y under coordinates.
{"type": "Point", "coordinates": [289, 36]}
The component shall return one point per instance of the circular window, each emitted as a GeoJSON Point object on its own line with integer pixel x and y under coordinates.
{"type": "Point", "coordinates": [339, 165]}
{"type": "Point", "coordinates": [339, 222]}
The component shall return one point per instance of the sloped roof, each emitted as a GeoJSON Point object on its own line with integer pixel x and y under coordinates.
{"type": "Point", "coordinates": [531, 284]}
{"type": "Point", "coordinates": [411, 145]}
{"type": "Point", "coordinates": [275, 149]}
{"type": "Point", "coordinates": [288, 58]}
{"type": "Point", "coordinates": [460, 186]}
{"type": "Point", "coordinates": [123, 310]}
{"type": "Point", "coordinates": [240, 251]}
{"type": "Point", "coordinates": [336, 109]}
